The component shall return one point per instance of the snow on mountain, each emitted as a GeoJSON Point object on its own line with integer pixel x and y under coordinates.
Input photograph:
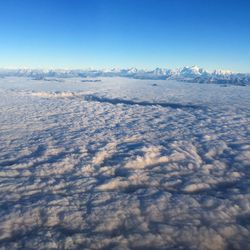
{"type": "Point", "coordinates": [186, 74]}
{"type": "Point", "coordinates": [222, 72]}
{"type": "Point", "coordinates": [192, 71]}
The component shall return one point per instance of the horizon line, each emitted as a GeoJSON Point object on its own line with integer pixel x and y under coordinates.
{"type": "Point", "coordinates": [118, 68]}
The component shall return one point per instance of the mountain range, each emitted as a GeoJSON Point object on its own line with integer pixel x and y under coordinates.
{"type": "Point", "coordinates": [187, 74]}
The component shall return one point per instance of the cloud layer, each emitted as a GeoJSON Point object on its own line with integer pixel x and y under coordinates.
{"type": "Point", "coordinates": [82, 171]}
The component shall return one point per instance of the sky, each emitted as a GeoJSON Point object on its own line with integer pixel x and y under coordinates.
{"type": "Point", "coordinates": [125, 33]}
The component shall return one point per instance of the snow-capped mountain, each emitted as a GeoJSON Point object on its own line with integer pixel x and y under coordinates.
{"type": "Point", "coordinates": [187, 74]}
{"type": "Point", "coordinates": [191, 71]}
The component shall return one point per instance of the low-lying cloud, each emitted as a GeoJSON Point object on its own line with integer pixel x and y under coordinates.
{"type": "Point", "coordinates": [80, 171]}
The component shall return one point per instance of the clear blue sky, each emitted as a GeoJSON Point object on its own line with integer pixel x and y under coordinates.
{"type": "Point", "coordinates": [125, 33]}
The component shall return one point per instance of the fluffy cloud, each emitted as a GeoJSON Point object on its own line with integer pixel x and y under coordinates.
{"type": "Point", "coordinates": [83, 169]}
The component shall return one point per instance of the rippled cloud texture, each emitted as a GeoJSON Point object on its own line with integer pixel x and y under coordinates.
{"type": "Point", "coordinates": [123, 164]}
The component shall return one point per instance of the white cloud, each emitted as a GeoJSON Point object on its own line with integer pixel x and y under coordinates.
{"type": "Point", "coordinates": [79, 174]}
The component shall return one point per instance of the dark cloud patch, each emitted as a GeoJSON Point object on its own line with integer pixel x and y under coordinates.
{"type": "Point", "coordinates": [116, 101]}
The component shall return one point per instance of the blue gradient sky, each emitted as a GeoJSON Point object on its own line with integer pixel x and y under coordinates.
{"type": "Point", "coordinates": [125, 33]}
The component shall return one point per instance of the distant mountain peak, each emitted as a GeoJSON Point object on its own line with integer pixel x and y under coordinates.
{"type": "Point", "coordinates": [188, 74]}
